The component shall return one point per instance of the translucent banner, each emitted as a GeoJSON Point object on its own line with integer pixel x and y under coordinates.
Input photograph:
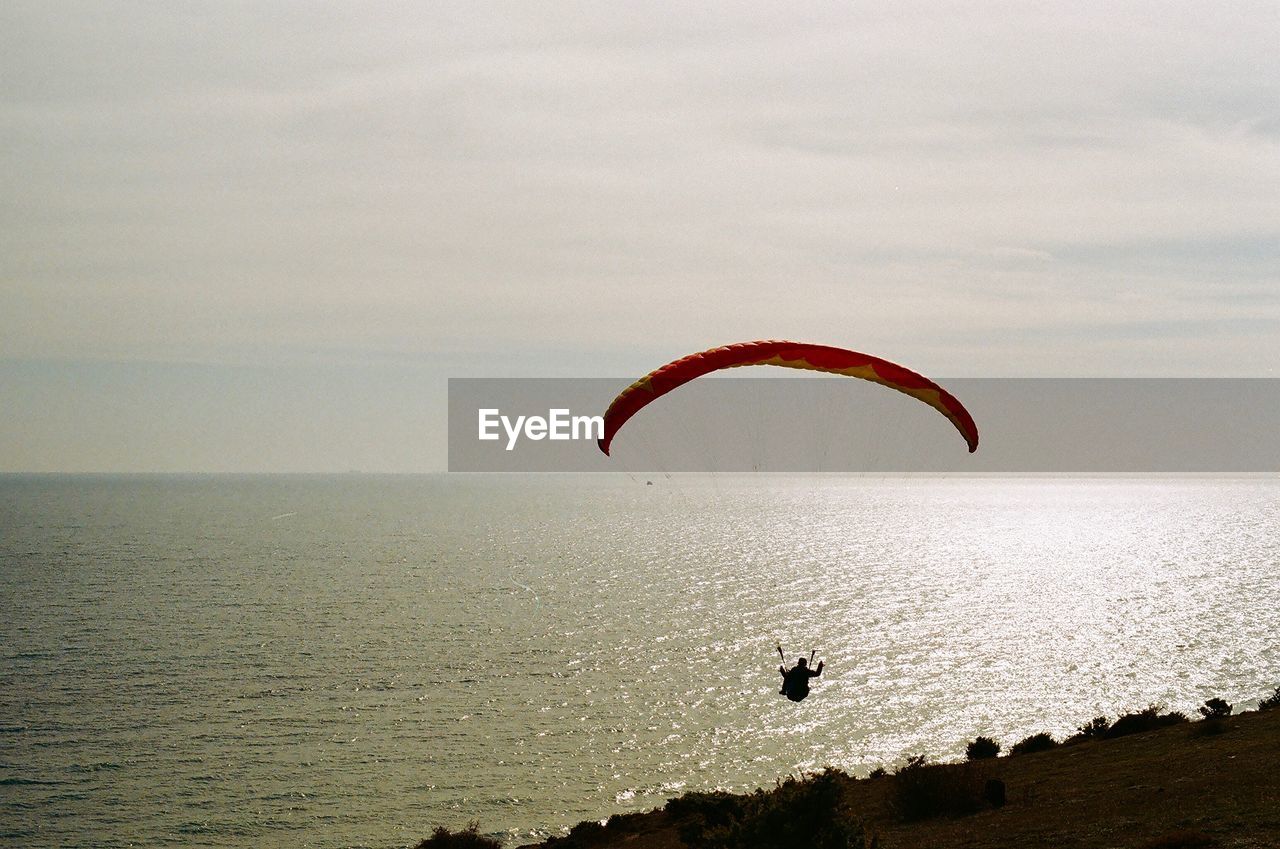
{"type": "Point", "coordinates": [799, 424]}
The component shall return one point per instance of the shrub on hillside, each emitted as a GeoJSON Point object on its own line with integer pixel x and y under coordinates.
{"type": "Point", "coordinates": [626, 823]}
{"type": "Point", "coordinates": [800, 812]}
{"type": "Point", "coordinates": [982, 748]}
{"type": "Point", "coordinates": [584, 834]}
{"type": "Point", "coordinates": [699, 812]}
{"type": "Point", "coordinates": [1148, 719]}
{"type": "Point", "coordinates": [468, 838]}
{"type": "Point", "coordinates": [1094, 729]}
{"type": "Point", "coordinates": [1041, 742]}
{"type": "Point", "coordinates": [1271, 702]}
{"type": "Point", "coordinates": [593, 833]}
{"type": "Point", "coordinates": [1215, 709]}
{"type": "Point", "coordinates": [922, 790]}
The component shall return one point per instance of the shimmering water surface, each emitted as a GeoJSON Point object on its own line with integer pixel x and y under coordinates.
{"type": "Point", "coordinates": [348, 661]}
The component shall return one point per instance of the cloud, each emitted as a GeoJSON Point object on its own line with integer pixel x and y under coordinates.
{"type": "Point", "coordinates": [962, 187]}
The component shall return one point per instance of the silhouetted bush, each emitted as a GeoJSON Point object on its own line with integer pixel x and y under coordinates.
{"type": "Point", "coordinates": [799, 812]}
{"type": "Point", "coordinates": [1041, 742]}
{"type": "Point", "coordinates": [585, 833]}
{"type": "Point", "coordinates": [591, 833]}
{"type": "Point", "coordinates": [1147, 719]}
{"type": "Point", "coordinates": [468, 838]}
{"type": "Point", "coordinates": [698, 812]}
{"type": "Point", "coordinates": [878, 772]}
{"type": "Point", "coordinates": [922, 790]}
{"type": "Point", "coordinates": [703, 811]}
{"type": "Point", "coordinates": [626, 823]}
{"type": "Point", "coordinates": [1215, 709]}
{"type": "Point", "coordinates": [1182, 840]}
{"type": "Point", "coordinates": [1271, 702]}
{"type": "Point", "coordinates": [1095, 729]}
{"type": "Point", "coordinates": [981, 749]}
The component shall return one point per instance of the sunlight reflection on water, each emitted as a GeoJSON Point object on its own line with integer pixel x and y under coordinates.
{"type": "Point", "coordinates": [349, 661]}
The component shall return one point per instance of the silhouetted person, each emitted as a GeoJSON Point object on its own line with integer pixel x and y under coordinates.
{"type": "Point", "coordinates": [795, 681]}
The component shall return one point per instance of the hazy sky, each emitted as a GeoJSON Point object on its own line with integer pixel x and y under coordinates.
{"type": "Point", "coordinates": [260, 236]}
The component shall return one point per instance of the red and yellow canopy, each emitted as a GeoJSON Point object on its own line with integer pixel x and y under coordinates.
{"type": "Point", "coordinates": [823, 358]}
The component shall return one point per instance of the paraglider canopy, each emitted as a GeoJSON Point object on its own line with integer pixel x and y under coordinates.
{"type": "Point", "coordinates": [799, 355]}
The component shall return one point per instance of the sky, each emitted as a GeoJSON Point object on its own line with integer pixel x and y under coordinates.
{"type": "Point", "coordinates": [262, 236]}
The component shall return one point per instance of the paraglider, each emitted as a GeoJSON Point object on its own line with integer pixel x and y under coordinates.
{"type": "Point", "coordinates": [798, 355]}
{"type": "Point", "coordinates": [795, 681]}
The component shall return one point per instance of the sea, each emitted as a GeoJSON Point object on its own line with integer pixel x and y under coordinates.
{"type": "Point", "coordinates": [353, 660]}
